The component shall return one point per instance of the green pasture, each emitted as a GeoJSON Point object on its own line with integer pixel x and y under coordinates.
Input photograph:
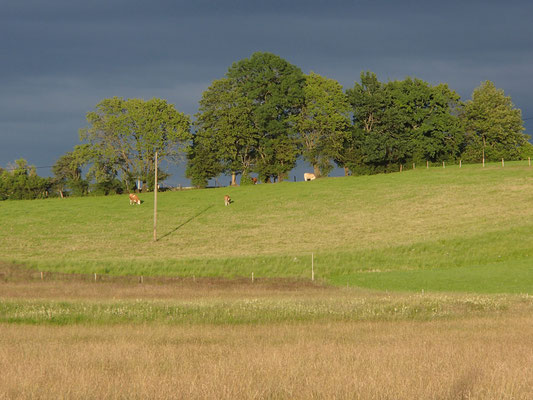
{"type": "Point", "coordinates": [466, 229]}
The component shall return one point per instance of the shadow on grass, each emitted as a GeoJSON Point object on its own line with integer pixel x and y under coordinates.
{"type": "Point", "coordinates": [185, 223]}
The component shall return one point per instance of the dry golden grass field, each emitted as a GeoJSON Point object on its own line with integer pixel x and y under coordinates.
{"type": "Point", "coordinates": [360, 345]}
{"type": "Point", "coordinates": [479, 358]}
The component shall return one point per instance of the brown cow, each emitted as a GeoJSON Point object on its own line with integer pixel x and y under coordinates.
{"type": "Point", "coordinates": [309, 176]}
{"type": "Point", "coordinates": [227, 200]}
{"type": "Point", "coordinates": [134, 199]}
{"type": "Point", "coordinates": [254, 181]}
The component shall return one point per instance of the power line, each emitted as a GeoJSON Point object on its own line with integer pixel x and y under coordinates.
{"type": "Point", "coordinates": [28, 166]}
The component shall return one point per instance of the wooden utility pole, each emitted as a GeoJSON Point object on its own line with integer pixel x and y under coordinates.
{"type": "Point", "coordinates": [155, 200]}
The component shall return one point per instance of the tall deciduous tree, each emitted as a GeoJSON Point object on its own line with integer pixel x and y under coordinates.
{"type": "Point", "coordinates": [400, 122]}
{"type": "Point", "coordinates": [68, 170]}
{"type": "Point", "coordinates": [125, 134]}
{"type": "Point", "coordinates": [244, 122]}
{"type": "Point", "coordinates": [366, 146]}
{"type": "Point", "coordinates": [322, 122]}
{"type": "Point", "coordinates": [426, 121]}
{"type": "Point", "coordinates": [493, 125]}
{"type": "Point", "coordinates": [275, 89]}
{"type": "Point", "coordinates": [202, 160]}
{"type": "Point", "coordinates": [225, 119]}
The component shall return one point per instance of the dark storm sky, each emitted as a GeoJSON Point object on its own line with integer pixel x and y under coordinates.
{"type": "Point", "coordinates": [61, 57]}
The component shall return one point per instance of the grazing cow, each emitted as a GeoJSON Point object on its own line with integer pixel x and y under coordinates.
{"type": "Point", "coordinates": [134, 199]}
{"type": "Point", "coordinates": [227, 200]}
{"type": "Point", "coordinates": [254, 181]}
{"type": "Point", "coordinates": [309, 176]}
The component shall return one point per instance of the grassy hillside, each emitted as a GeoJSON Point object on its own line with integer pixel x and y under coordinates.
{"type": "Point", "coordinates": [467, 229]}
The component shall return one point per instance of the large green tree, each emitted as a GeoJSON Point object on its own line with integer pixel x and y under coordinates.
{"type": "Point", "coordinates": [493, 125]}
{"type": "Point", "coordinates": [245, 121]}
{"type": "Point", "coordinates": [275, 89]}
{"type": "Point", "coordinates": [224, 125]}
{"type": "Point", "coordinates": [401, 122]}
{"type": "Point", "coordinates": [202, 160]}
{"type": "Point", "coordinates": [322, 123]}
{"type": "Point", "coordinates": [365, 148]}
{"type": "Point", "coordinates": [68, 170]}
{"type": "Point", "coordinates": [125, 134]}
{"type": "Point", "coordinates": [426, 121]}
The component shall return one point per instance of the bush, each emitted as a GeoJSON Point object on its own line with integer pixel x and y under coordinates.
{"type": "Point", "coordinates": [246, 179]}
{"type": "Point", "coordinates": [22, 182]}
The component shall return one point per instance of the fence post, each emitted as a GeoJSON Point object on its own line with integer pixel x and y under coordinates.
{"type": "Point", "coordinates": [503, 163]}
{"type": "Point", "coordinates": [443, 165]}
{"type": "Point", "coordinates": [252, 277]}
{"type": "Point", "coordinates": [529, 161]}
{"type": "Point", "coordinates": [312, 266]}
{"type": "Point", "coordinates": [427, 164]}
{"type": "Point", "coordinates": [414, 167]}
{"type": "Point", "coordinates": [401, 167]}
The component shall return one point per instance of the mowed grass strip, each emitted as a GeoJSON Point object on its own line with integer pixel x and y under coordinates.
{"type": "Point", "coordinates": [341, 306]}
{"type": "Point", "coordinates": [415, 220]}
{"type": "Point", "coordinates": [69, 300]}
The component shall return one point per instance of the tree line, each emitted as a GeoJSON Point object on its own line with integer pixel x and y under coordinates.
{"type": "Point", "coordinates": [265, 113]}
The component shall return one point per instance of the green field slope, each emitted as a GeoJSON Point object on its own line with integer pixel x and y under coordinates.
{"type": "Point", "coordinates": [453, 229]}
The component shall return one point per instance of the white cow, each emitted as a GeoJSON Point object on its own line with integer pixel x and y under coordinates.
{"type": "Point", "coordinates": [309, 176]}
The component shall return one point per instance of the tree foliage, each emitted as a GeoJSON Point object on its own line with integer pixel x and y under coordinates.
{"type": "Point", "coordinates": [323, 122]}
{"type": "Point", "coordinates": [426, 121]}
{"type": "Point", "coordinates": [125, 134]}
{"type": "Point", "coordinates": [225, 118]}
{"type": "Point", "coordinates": [493, 126]}
{"type": "Point", "coordinates": [401, 122]}
{"type": "Point", "coordinates": [68, 171]}
{"type": "Point", "coordinates": [244, 121]}
{"type": "Point", "coordinates": [21, 182]}
{"type": "Point", "coordinates": [275, 88]}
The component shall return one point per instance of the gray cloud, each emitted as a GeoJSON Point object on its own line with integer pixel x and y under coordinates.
{"type": "Point", "coordinates": [59, 57]}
